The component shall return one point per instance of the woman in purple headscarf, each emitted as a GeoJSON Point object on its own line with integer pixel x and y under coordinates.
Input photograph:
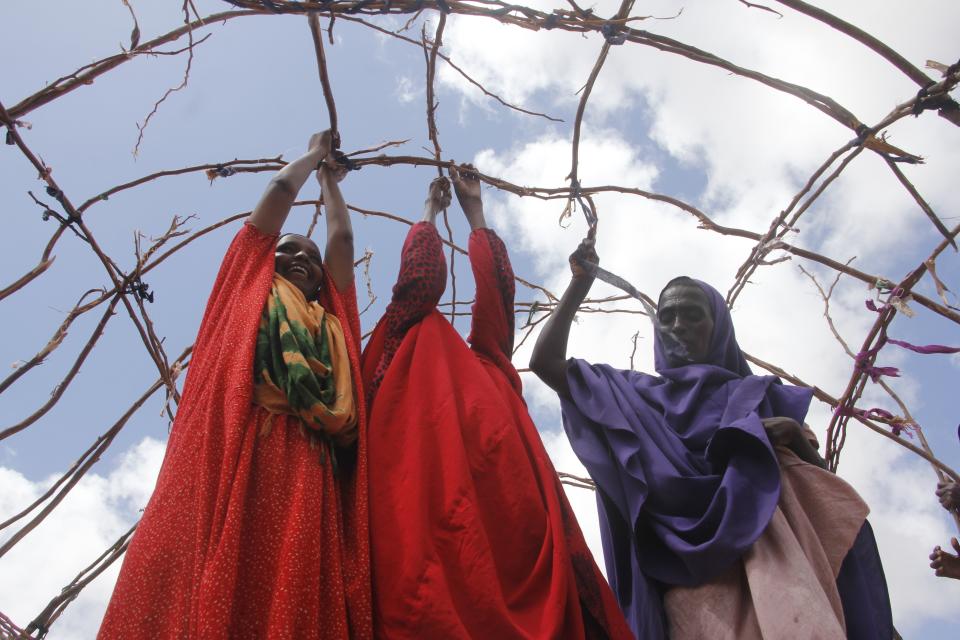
{"type": "Point", "coordinates": [717, 516]}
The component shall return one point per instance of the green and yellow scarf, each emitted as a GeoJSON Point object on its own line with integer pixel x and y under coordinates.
{"type": "Point", "coordinates": [301, 366]}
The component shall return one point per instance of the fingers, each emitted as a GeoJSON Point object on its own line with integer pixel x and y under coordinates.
{"type": "Point", "coordinates": [439, 193]}
{"type": "Point", "coordinates": [955, 544]}
{"type": "Point", "coordinates": [465, 172]}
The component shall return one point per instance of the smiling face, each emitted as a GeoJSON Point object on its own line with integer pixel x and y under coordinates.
{"type": "Point", "coordinates": [298, 260]}
{"type": "Point", "coordinates": [685, 318]}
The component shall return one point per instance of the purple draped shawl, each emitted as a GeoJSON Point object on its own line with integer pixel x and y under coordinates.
{"type": "Point", "coordinates": [687, 478]}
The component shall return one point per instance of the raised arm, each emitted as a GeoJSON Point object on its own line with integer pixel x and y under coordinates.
{"type": "Point", "coordinates": [338, 257]}
{"type": "Point", "coordinates": [274, 206]}
{"type": "Point", "coordinates": [467, 187]}
{"type": "Point", "coordinates": [549, 358]}
{"type": "Point", "coordinates": [491, 331]}
{"type": "Point", "coordinates": [420, 283]}
{"type": "Point", "coordinates": [438, 199]}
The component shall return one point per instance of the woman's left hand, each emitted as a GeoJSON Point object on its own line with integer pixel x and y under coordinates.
{"type": "Point", "coordinates": [783, 431]}
{"type": "Point", "coordinates": [330, 169]}
{"type": "Point", "coordinates": [786, 432]}
{"type": "Point", "coordinates": [321, 143]}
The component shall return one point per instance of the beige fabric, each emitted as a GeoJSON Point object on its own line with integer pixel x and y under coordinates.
{"type": "Point", "coordinates": [784, 587]}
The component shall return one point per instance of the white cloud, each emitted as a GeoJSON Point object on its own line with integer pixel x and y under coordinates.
{"type": "Point", "coordinates": [93, 516]}
{"type": "Point", "coordinates": [406, 90]}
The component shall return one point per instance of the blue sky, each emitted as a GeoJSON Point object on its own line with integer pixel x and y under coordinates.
{"type": "Point", "coordinates": [736, 150]}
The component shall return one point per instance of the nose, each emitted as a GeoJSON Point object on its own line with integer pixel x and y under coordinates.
{"type": "Point", "coordinates": [678, 327]}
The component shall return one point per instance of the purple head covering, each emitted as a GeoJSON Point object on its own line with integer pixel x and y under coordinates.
{"type": "Point", "coordinates": [687, 479]}
{"type": "Point", "coordinates": [724, 350]}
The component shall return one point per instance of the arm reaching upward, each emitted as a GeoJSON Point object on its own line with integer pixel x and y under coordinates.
{"type": "Point", "coordinates": [274, 206]}
{"type": "Point", "coordinates": [338, 256]}
{"type": "Point", "coordinates": [549, 357]}
{"type": "Point", "coordinates": [467, 186]}
{"type": "Point", "coordinates": [438, 199]}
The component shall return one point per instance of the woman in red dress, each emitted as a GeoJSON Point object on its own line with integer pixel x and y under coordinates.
{"type": "Point", "coordinates": [471, 533]}
{"type": "Point", "coordinates": [257, 527]}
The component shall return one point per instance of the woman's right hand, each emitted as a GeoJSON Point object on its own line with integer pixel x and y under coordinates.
{"type": "Point", "coordinates": [438, 195]}
{"type": "Point", "coordinates": [321, 143]}
{"type": "Point", "coordinates": [438, 199]}
{"type": "Point", "coordinates": [586, 252]}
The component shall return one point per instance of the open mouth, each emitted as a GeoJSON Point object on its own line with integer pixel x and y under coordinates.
{"type": "Point", "coordinates": [298, 269]}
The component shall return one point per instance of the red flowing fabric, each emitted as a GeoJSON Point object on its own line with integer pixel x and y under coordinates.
{"type": "Point", "coordinates": [248, 535]}
{"type": "Point", "coordinates": [471, 533]}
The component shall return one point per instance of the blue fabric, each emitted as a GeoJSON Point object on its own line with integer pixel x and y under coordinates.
{"type": "Point", "coordinates": [863, 590]}
{"type": "Point", "coordinates": [686, 477]}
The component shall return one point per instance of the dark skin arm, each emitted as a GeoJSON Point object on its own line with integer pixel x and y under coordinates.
{"type": "Point", "coordinates": [549, 357]}
{"type": "Point", "coordinates": [466, 184]}
{"type": "Point", "coordinates": [339, 255]}
{"type": "Point", "coordinates": [271, 212]}
{"type": "Point", "coordinates": [274, 206]}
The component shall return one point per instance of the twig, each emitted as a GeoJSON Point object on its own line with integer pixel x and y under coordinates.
{"type": "Point", "coordinates": [183, 83]}
{"type": "Point", "coordinates": [456, 68]}
{"type": "Point", "coordinates": [430, 55]}
{"type": "Point", "coordinates": [324, 77]}
{"type": "Point", "coordinates": [751, 5]}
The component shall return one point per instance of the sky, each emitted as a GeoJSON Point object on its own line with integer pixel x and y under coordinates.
{"type": "Point", "coordinates": [735, 149]}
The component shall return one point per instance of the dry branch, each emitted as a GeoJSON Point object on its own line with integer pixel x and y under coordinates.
{"type": "Point", "coordinates": [86, 74]}
{"type": "Point", "coordinates": [314, 23]}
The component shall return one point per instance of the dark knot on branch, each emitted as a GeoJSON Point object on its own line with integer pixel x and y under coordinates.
{"type": "Point", "coordinates": [68, 220]}
{"type": "Point", "coordinates": [345, 160]}
{"type": "Point", "coordinates": [358, 7]}
{"type": "Point", "coordinates": [863, 132]}
{"type": "Point", "coordinates": [577, 194]}
{"type": "Point", "coordinates": [140, 289]}
{"type": "Point", "coordinates": [613, 34]}
{"type": "Point", "coordinates": [921, 104]}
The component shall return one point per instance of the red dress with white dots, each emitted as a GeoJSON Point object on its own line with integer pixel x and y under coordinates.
{"type": "Point", "coordinates": [471, 533]}
{"type": "Point", "coordinates": [248, 534]}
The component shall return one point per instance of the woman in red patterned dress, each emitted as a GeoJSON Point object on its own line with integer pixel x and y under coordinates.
{"type": "Point", "coordinates": [257, 527]}
{"type": "Point", "coordinates": [471, 533]}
